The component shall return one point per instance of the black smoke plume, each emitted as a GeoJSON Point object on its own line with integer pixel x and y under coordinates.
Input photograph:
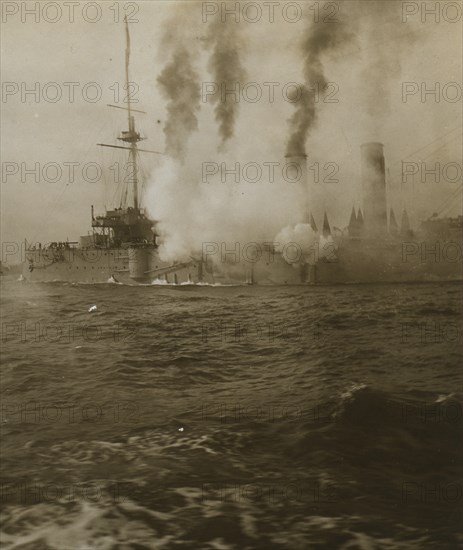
{"type": "Point", "coordinates": [179, 83]}
{"type": "Point", "coordinates": [321, 37]}
{"type": "Point", "coordinates": [227, 72]}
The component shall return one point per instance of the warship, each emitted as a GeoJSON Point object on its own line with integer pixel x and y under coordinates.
{"type": "Point", "coordinates": [372, 248]}
{"type": "Point", "coordinates": [123, 244]}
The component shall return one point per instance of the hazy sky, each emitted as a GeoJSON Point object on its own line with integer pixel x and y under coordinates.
{"type": "Point", "coordinates": [382, 50]}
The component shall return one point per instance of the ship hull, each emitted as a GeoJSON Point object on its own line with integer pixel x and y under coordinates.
{"type": "Point", "coordinates": [355, 261]}
{"type": "Point", "coordinates": [127, 266]}
{"type": "Point", "coordinates": [373, 261]}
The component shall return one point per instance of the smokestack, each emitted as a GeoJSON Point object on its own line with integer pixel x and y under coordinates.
{"type": "Point", "coordinates": [296, 173]}
{"type": "Point", "coordinates": [374, 189]}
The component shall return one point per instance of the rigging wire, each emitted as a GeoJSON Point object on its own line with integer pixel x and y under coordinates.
{"type": "Point", "coordinates": [428, 144]}
{"type": "Point", "coordinates": [396, 178]}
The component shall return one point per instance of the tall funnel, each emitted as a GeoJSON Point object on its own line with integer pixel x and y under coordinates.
{"type": "Point", "coordinates": [296, 174]}
{"type": "Point", "coordinates": [374, 189]}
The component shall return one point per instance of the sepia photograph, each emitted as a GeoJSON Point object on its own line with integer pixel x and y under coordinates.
{"type": "Point", "coordinates": [231, 275]}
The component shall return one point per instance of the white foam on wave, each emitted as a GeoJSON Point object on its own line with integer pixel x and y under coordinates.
{"type": "Point", "coordinates": [352, 390]}
{"type": "Point", "coordinates": [443, 398]}
{"type": "Point", "coordinates": [161, 282]}
{"type": "Point", "coordinates": [84, 526]}
{"type": "Point", "coordinates": [113, 281]}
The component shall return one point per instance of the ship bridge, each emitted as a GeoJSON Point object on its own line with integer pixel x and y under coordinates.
{"type": "Point", "coordinates": [125, 225]}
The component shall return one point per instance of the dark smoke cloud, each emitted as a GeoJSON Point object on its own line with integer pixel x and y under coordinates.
{"type": "Point", "coordinates": [300, 122]}
{"type": "Point", "coordinates": [227, 72]}
{"type": "Point", "coordinates": [321, 38]}
{"type": "Point", "coordinates": [179, 83]}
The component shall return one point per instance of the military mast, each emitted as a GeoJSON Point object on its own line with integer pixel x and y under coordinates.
{"type": "Point", "coordinates": [127, 225]}
{"type": "Point", "coordinates": [131, 137]}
